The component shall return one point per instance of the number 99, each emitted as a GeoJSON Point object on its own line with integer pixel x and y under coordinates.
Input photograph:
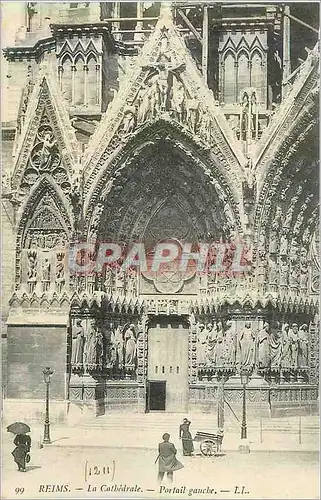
{"type": "Point", "coordinates": [19, 491]}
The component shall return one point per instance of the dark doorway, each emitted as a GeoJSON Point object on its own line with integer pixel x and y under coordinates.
{"type": "Point", "coordinates": [156, 396]}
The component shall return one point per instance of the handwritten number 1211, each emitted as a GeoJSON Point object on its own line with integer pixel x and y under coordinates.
{"type": "Point", "coordinates": [96, 471]}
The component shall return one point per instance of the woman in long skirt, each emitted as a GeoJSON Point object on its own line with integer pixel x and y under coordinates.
{"type": "Point", "coordinates": [185, 435]}
{"type": "Point", "coordinates": [23, 444]}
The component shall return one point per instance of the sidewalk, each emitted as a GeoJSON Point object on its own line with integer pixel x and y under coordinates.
{"type": "Point", "coordinates": [78, 437]}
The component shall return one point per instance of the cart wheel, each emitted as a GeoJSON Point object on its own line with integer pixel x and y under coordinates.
{"type": "Point", "coordinates": [208, 448]}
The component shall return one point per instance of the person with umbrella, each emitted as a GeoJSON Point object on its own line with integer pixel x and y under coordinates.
{"type": "Point", "coordinates": [22, 443]}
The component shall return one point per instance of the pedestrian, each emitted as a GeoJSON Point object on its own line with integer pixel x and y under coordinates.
{"type": "Point", "coordinates": [21, 451]}
{"type": "Point", "coordinates": [186, 437]}
{"type": "Point", "coordinates": [167, 461]}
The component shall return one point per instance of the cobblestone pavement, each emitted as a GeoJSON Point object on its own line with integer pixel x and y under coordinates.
{"type": "Point", "coordinates": [96, 472]}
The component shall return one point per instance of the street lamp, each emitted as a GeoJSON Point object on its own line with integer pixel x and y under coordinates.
{"type": "Point", "coordinates": [46, 435]}
{"type": "Point", "coordinates": [245, 376]}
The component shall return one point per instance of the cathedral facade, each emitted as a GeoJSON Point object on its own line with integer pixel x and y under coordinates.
{"type": "Point", "coordinates": [190, 125]}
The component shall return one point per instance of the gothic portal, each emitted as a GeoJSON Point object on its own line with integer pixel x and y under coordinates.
{"type": "Point", "coordinates": [194, 127]}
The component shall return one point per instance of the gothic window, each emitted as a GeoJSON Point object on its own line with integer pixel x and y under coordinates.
{"type": "Point", "coordinates": [79, 81]}
{"type": "Point", "coordinates": [243, 73]}
{"type": "Point", "coordinates": [229, 79]}
{"type": "Point", "coordinates": [257, 75]}
{"type": "Point", "coordinates": [92, 84]}
{"type": "Point", "coordinates": [66, 79]}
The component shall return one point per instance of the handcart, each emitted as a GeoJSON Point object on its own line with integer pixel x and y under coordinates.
{"type": "Point", "coordinates": [210, 444]}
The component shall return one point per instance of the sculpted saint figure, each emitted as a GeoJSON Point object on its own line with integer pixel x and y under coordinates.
{"type": "Point", "coordinates": [275, 342]}
{"type": "Point", "coordinates": [263, 347]}
{"type": "Point", "coordinates": [218, 359]}
{"type": "Point", "coordinates": [201, 343]}
{"type": "Point", "coordinates": [246, 344]}
{"type": "Point", "coordinates": [94, 350]}
{"type": "Point", "coordinates": [286, 360]}
{"type": "Point", "coordinates": [45, 157]}
{"type": "Point", "coordinates": [78, 343]}
{"type": "Point", "coordinates": [118, 342]}
{"type": "Point", "coordinates": [294, 345]}
{"type": "Point", "coordinates": [229, 348]}
{"type": "Point", "coordinates": [130, 348]}
{"type": "Point", "coordinates": [303, 359]}
{"type": "Point", "coordinates": [210, 332]}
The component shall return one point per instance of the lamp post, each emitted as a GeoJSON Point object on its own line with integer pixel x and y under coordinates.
{"type": "Point", "coordinates": [46, 435]}
{"type": "Point", "coordinates": [245, 376]}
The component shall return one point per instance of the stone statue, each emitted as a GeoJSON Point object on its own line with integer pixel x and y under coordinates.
{"type": "Point", "coordinates": [303, 357]}
{"type": "Point", "coordinates": [201, 343]}
{"type": "Point", "coordinates": [246, 344]}
{"type": "Point", "coordinates": [210, 332]}
{"type": "Point", "coordinates": [94, 348]}
{"type": "Point", "coordinates": [132, 282]}
{"type": "Point", "coordinates": [120, 281]}
{"type": "Point", "coordinates": [178, 100]}
{"type": "Point", "coordinates": [275, 342]}
{"type": "Point", "coordinates": [263, 347]}
{"type": "Point", "coordinates": [46, 153]}
{"type": "Point", "coordinates": [219, 349]}
{"type": "Point", "coordinates": [229, 347]}
{"type": "Point", "coordinates": [192, 110]}
{"type": "Point", "coordinates": [60, 271]}
{"type": "Point", "coordinates": [130, 346]}
{"type": "Point", "coordinates": [109, 281]}
{"type": "Point", "coordinates": [46, 272]}
{"type": "Point", "coordinates": [118, 343]}
{"type": "Point", "coordinates": [129, 121]}
{"type": "Point", "coordinates": [294, 345]}
{"type": "Point", "coordinates": [286, 359]}
{"type": "Point", "coordinates": [32, 265]}
{"type": "Point", "coordinates": [78, 343]}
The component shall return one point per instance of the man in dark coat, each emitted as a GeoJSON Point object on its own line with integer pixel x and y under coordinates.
{"type": "Point", "coordinates": [167, 461]}
{"type": "Point", "coordinates": [23, 445]}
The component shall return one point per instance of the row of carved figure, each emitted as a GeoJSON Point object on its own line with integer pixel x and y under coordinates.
{"type": "Point", "coordinates": [44, 273]}
{"type": "Point", "coordinates": [281, 347]}
{"type": "Point", "coordinates": [93, 351]}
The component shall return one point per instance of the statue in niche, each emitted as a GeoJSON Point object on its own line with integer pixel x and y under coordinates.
{"type": "Point", "coordinates": [94, 348]}
{"type": "Point", "coordinates": [130, 345]}
{"type": "Point", "coordinates": [118, 345]}
{"type": "Point", "coordinates": [129, 121]}
{"type": "Point", "coordinates": [132, 282]}
{"type": "Point", "coordinates": [60, 271]}
{"type": "Point", "coordinates": [283, 271]}
{"type": "Point", "coordinates": [273, 271]}
{"type": "Point", "coordinates": [294, 345]}
{"type": "Point", "coordinates": [32, 265]}
{"type": "Point", "coordinates": [283, 244]}
{"type": "Point", "coordinates": [178, 100]}
{"type": "Point", "coordinates": [78, 344]}
{"type": "Point", "coordinates": [201, 343]}
{"type": "Point", "coordinates": [192, 114]}
{"type": "Point", "coordinates": [147, 103]}
{"type": "Point", "coordinates": [263, 347]}
{"type": "Point", "coordinates": [210, 332]}
{"type": "Point", "coordinates": [120, 281]}
{"type": "Point", "coordinates": [46, 272]}
{"type": "Point", "coordinates": [46, 154]}
{"type": "Point", "coordinates": [246, 344]}
{"type": "Point", "coordinates": [273, 244]}
{"type": "Point", "coordinates": [109, 281]}
{"type": "Point", "coordinates": [219, 348]}
{"type": "Point", "coordinates": [275, 342]}
{"type": "Point", "coordinates": [229, 346]}
{"type": "Point", "coordinates": [303, 354]}
{"type": "Point", "coordinates": [286, 359]}
{"type": "Point", "coordinates": [304, 270]}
